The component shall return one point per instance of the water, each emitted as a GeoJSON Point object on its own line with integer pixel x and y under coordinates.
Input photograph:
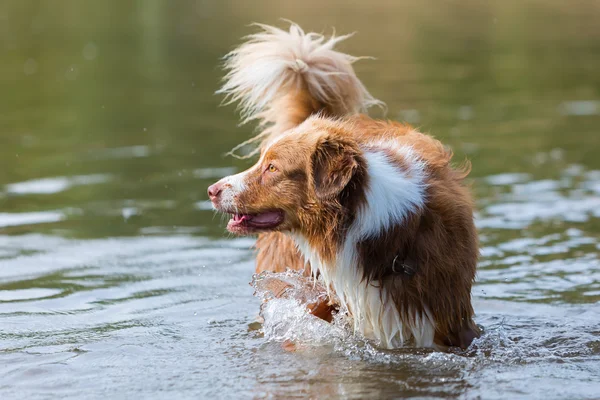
{"type": "Point", "coordinates": [116, 279]}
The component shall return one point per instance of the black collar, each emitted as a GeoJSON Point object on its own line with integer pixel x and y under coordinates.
{"type": "Point", "coordinates": [404, 265]}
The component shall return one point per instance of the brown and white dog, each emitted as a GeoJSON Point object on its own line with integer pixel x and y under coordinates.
{"type": "Point", "coordinates": [373, 207]}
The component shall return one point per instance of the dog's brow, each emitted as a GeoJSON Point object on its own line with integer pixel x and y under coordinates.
{"type": "Point", "coordinates": [297, 174]}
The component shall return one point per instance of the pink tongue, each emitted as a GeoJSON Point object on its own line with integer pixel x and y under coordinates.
{"type": "Point", "coordinates": [269, 217]}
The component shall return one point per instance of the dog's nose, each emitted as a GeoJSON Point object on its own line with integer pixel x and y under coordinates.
{"type": "Point", "coordinates": [214, 190]}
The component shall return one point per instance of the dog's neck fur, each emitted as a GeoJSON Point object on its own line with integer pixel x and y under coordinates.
{"type": "Point", "coordinates": [378, 203]}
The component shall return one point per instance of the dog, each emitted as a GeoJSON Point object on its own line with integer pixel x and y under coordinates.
{"type": "Point", "coordinates": [373, 208]}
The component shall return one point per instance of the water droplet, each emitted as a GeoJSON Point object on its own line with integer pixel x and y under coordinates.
{"type": "Point", "coordinates": [72, 73]}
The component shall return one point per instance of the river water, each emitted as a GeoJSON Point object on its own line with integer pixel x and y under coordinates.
{"type": "Point", "coordinates": [117, 280]}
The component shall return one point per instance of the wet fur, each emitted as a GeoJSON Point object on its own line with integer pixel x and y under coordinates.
{"type": "Point", "coordinates": [323, 190]}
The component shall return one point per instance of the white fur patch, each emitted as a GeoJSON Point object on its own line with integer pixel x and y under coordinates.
{"type": "Point", "coordinates": [309, 254]}
{"type": "Point", "coordinates": [232, 187]}
{"type": "Point", "coordinates": [392, 195]}
{"type": "Point", "coordinates": [273, 62]}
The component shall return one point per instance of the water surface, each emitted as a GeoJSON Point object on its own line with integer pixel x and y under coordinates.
{"type": "Point", "coordinates": [116, 279]}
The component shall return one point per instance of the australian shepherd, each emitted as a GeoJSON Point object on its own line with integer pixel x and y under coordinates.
{"type": "Point", "coordinates": [373, 208]}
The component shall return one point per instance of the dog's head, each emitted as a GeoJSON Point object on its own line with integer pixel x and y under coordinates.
{"type": "Point", "coordinates": [300, 176]}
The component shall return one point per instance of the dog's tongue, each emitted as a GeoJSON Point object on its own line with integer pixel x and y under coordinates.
{"type": "Point", "coordinates": [266, 218]}
{"type": "Point", "coordinates": [269, 217]}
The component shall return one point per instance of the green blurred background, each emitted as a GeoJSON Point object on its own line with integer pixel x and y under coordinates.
{"type": "Point", "coordinates": [114, 100]}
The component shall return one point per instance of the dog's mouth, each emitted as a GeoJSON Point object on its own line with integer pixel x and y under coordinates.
{"type": "Point", "coordinates": [248, 223]}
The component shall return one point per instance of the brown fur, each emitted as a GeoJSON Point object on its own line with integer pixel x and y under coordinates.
{"type": "Point", "coordinates": [441, 242]}
{"type": "Point", "coordinates": [276, 252]}
{"type": "Point", "coordinates": [439, 248]}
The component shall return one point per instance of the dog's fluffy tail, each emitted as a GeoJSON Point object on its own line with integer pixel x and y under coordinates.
{"type": "Point", "coordinates": [281, 77]}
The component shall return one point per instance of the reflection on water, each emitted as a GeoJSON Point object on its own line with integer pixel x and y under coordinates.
{"type": "Point", "coordinates": [116, 278]}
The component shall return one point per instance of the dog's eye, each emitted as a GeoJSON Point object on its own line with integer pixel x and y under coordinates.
{"type": "Point", "coordinates": [272, 168]}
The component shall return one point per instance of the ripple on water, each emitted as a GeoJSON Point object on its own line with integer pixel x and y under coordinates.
{"type": "Point", "coordinates": [573, 198]}
{"type": "Point", "coordinates": [55, 184]}
{"type": "Point", "coordinates": [135, 304]}
{"type": "Point", "coordinates": [509, 340]}
{"type": "Point", "coordinates": [29, 218]}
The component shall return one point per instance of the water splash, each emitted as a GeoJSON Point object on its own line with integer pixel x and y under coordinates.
{"type": "Point", "coordinates": [287, 299]}
{"type": "Point", "coordinates": [287, 319]}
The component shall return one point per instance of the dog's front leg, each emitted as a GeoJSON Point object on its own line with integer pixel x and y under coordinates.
{"type": "Point", "coordinates": [277, 252]}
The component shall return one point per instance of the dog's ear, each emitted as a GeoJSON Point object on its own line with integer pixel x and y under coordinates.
{"type": "Point", "coordinates": [333, 165]}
